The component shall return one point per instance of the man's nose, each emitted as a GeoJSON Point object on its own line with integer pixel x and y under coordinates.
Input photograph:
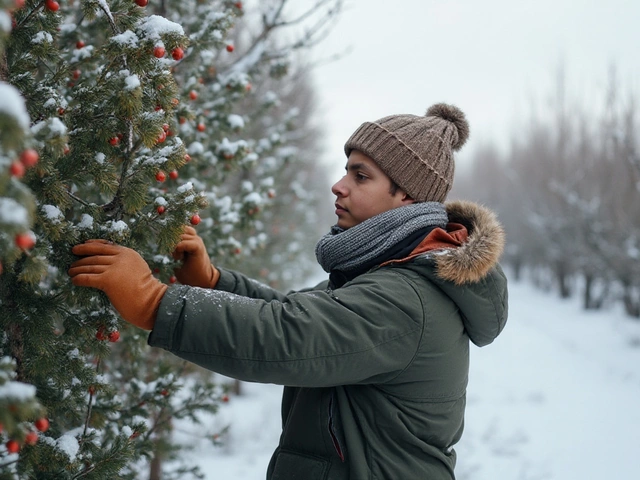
{"type": "Point", "coordinates": [339, 188]}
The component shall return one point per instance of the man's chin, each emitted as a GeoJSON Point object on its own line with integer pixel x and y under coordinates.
{"type": "Point", "coordinates": [343, 224]}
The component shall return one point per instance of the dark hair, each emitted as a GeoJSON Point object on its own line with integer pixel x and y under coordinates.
{"type": "Point", "coordinates": [393, 189]}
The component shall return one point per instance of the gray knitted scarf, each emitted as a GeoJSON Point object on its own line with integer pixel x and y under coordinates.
{"type": "Point", "coordinates": [346, 250]}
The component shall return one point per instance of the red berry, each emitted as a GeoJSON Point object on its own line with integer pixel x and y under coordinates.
{"type": "Point", "coordinates": [225, 398]}
{"type": "Point", "coordinates": [61, 111]}
{"type": "Point", "coordinates": [201, 127]}
{"type": "Point", "coordinates": [271, 193]}
{"type": "Point", "coordinates": [172, 279]}
{"type": "Point", "coordinates": [182, 120]}
{"type": "Point", "coordinates": [52, 5]}
{"type": "Point", "coordinates": [238, 5]}
{"type": "Point", "coordinates": [160, 176]}
{"type": "Point", "coordinates": [187, 157]}
{"type": "Point", "coordinates": [29, 157]}
{"type": "Point", "coordinates": [177, 53]}
{"type": "Point", "coordinates": [142, 3]}
{"type": "Point", "coordinates": [175, 102]}
{"type": "Point", "coordinates": [114, 141]}
{"type": "Point", "coordinates": [13, 446]}
{"type": "Point", "coordinates": [164, 392]}
{"type": "Point", "coordinates": [19, 3]}
{"type": "Point", "coordinates": [237, 251]}
{"type": "Point", "coordinates": [161, 209]}
{"type": "Point", "coordinates": [66, 150]}
{"type": "Point", "coordinates": [230, 48]}
{"type": "Point", "coordinates": [80, 44]}
{"type": "Point", "coordinates": [173, 174]}
{"type": "Point", "coordinates": [100, 334]}
{"type": "Point", "coordinates": [42, 424]}
{"type": "Point", "coordinates": [17, 169]}
{"type": "Point", "coordinates": [31, 438]}
{"type": "Point", "coordinates": [76, 74]}
{"type": "Point", "coordinates": [92, 390]}
{"type": "Point", "coordinates": [162, 137]}
{"type": "Point", "coordinates": [195, 219]}
{"type": "Point", "coordinates": [193, 94]}
{"type": "Point", "coordinates": [165, 127]}
{"type": "Point", "coordinates": [159, 52]}
{"type": "Point", "coordinates": [114, 336]}
{"type": "Point", "coordinates": [25, 241]}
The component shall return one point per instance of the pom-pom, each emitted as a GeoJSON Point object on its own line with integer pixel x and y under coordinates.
{"type": "Point", "coordinates": [452, 114]}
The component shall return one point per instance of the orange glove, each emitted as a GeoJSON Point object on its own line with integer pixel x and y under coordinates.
{"type": "Point", "coordinates": [196, 269]}
{"type": "Point", "coordinates": [123, 275]}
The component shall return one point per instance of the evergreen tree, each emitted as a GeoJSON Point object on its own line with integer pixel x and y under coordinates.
{"type": "Point", "coordinates": [18, 403]}
{"type": "Point", "coordinates": [137, 115]}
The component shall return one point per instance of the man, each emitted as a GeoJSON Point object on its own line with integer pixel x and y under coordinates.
{"type": "Point", "coordinates": [375, 360]}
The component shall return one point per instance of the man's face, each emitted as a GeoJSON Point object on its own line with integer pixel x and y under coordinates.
{"type": "Point", "coordinates": [364, 191]}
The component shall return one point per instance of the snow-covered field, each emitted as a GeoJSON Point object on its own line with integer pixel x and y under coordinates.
{"type": "Point", "coordinates": [556, 396]}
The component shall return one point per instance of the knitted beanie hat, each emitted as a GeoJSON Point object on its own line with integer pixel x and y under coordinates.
{"type": "Point", "coordinates": [415, 152]}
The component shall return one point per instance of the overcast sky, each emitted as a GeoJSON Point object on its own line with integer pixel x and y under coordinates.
{"type": "Point", "coordinates": [489, 57]}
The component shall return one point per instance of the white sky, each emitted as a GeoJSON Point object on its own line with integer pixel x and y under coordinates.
{"type": "Point", "coordinates": [489, 57]}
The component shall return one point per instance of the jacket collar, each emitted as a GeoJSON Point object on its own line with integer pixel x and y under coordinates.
{"type": "Point", "coordinates": [469, 247]}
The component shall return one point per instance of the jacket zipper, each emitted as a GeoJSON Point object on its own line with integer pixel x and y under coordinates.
{"type": "Point", "coordinates": [334, 438]}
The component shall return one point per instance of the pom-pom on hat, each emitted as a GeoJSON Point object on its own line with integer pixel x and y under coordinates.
{"type": "Point", "coordinates": [415, 152]}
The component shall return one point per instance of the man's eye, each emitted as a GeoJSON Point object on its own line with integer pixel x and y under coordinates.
{"type": "Point", "coordinates": [360, 177]}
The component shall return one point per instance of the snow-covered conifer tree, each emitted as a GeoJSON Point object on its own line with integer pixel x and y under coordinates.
{"type": "Point", "coordinates": [120, 120]}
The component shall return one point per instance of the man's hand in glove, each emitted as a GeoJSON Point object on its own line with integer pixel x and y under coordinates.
{"type": "Point", "coordinates": [196, 269]}
{"type": "Point", "coordinates": [123, 275]}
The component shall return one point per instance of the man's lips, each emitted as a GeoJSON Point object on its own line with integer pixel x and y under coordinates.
{"type": "Point", "coordinates": [340, 208]}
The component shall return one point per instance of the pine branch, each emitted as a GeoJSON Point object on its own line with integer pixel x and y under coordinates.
{"type": "Point", "coordinates": [308, 40]}
{"type": "Point", "coordinates": [319, 4]}
{"type": "Point", "coordinates": [114, 207]}
{"type": "Point", "coordinates": [77, 199]}
{"type": "Point", "coordinates": [107, 13]}
{"type": "Point", "coordinates": [31, 13]}
{"type": "Point", "coordinates": [88, 417]}
{"type": "Point", "coordinates": [87, 471]}
{"type": "Point", "coordinates": [17, 349]}
{"type": "Point", "coordinates": [4, 67]}
{"type": "Point", "coordinates": [9, 463]}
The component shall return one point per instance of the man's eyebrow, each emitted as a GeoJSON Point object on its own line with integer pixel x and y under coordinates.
{"type": "Point", "coordinates": [357, 166]}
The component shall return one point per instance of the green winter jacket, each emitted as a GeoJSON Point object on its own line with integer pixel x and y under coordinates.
{"type": "Point", "coordinates": [375, 372]}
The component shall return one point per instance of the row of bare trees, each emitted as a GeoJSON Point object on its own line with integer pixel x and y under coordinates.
{"type": "Point", "coordinates": [568, 193]}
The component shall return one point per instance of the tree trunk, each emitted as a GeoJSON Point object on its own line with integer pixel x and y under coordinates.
{"type": "Point", "coordinates": [517, 269]}
{"type": "Point", "coordinates": [588, 302]}
{"type": "Point", "coordinates": [155, 468]}
{"type": "Point", "coordinates": [237, 387]}
{"type": "Point", "coordinates": [563, 280]}
{"type": "Point", "coordinates": [631, 298]}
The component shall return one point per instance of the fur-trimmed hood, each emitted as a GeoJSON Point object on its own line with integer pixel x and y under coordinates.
{"type": "Point", "coordinates": [469, 248]}
{"type": "Point", "coordinates": [463, 263]}
{"type": "Point", "coordinates": [473, 259]}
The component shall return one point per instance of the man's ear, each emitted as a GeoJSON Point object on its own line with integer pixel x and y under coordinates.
{"type": "Point", "coordinates": [406, 198]}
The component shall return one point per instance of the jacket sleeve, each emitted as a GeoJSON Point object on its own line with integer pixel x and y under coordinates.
{"type": "Point", "coordinates": [365, 332]}
{"type": "Point", "coordinates": [239, 284]}
{"type": "Point", "coordinates": [235, 282]}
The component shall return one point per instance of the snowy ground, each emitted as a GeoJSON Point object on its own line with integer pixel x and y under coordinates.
{"type": "Point", "coordinates": [557, 396]}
